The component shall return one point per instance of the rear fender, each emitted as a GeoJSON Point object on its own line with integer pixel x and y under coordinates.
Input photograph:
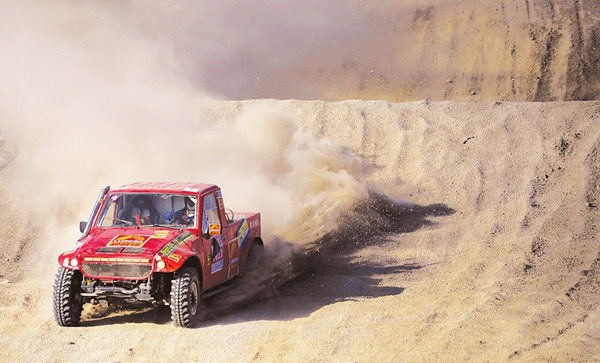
{"type": "Point", "coordinates": [244, 253]}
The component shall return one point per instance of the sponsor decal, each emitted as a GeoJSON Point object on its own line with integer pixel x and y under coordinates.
{"type": "Point", "coordinates": [128, 240]}
{"type": "Point", "coordinates": [160, 234]}
{"type": "Point", "coordinates": [217, 261]}
{"type": "Point", "coordinates": [174, 257]}
{"type": "Point", "coordinates": [233, 270]}
{"type": "Point", "coordinates": [254, 223]}
{"type": "Point", "coordinates": [234, 257]}
{"type": "Point", "coordinates": [220, 199]}
{"type": "Point", "coordinates": [243, 232]}
{"type": "Point", "coordinates": [183, 238]}
{"type": "Point", "coordinates": [168, 249]}
{"type": "Point", "coordinates": [214, 229]}
{"type": "Point", "coordinates": [234, 251]}
{"type": "Point", "coordinates": [216, 267]}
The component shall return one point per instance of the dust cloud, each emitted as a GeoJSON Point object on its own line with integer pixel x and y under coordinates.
{"type": "Point", "coordinates": [82, 105]}
{"type": "Point", "coordinates": [89, 102]}
{"type": "Point", "coordinates": [395, 50]}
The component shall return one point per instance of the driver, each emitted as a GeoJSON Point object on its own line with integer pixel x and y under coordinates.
{"type": "Point", "coordinates": [140, 211]}
{"type": "Point", "coordinates": [185, 215]}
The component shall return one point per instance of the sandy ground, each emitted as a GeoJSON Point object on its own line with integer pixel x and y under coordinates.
{"type": "Point", "coordinates": [478, 242]}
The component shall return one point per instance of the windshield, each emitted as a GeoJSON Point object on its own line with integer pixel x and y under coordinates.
{"type": "Point", "coordinates": [148, 209]}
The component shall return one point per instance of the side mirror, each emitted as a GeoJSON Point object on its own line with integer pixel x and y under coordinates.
{"type": "Point", "coordinates": [82, 226]}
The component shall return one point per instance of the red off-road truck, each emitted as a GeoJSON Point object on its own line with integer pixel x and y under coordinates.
{"type": "Point", "coordinates": [164, 243]}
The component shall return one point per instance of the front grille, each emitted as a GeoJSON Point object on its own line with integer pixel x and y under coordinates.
{"type": "Point", "coordinates": [123, 270]}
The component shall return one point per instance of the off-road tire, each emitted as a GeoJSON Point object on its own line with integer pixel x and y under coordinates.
{"type": "Point", "coordinates": [185, 297]}
{"type": "Point", "coordinates": [67, 301]}
{"type": "Point", "coordinates": [255, 255]}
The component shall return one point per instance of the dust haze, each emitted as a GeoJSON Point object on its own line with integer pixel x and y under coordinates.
{"type": "Point", "coordinates": [396, 231]}
{"type": "Point", "coordinates": [89, 100]}
{"type": "Point", "coordinates": [523, 50]}
{"type": "Point", "coordinates": [92, 101]}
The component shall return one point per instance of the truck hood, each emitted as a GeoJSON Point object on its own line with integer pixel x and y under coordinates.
{"type": "Point", "coordinates": [127, 241]}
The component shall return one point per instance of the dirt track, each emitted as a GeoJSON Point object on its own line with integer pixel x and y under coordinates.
{"type": "Point", "coordinates": [488, 251]}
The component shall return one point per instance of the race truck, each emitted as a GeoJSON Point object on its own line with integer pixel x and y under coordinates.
{"type": "Point", "coordinates": [161, 243]}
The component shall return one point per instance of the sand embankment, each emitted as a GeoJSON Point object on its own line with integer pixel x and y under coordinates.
{"type": "Point", "coordinates": [479, 242]}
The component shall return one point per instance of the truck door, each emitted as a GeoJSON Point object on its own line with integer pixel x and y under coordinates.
{"type": "Point", "coordinates": [215, 243]}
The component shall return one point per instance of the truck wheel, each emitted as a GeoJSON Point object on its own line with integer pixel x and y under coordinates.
{"type": "Point", "coordinates": [255, 254]}
{"type": "Point", "coordinates": [67, 301]}
{"type": "Point", "coordinates": [185, 297]}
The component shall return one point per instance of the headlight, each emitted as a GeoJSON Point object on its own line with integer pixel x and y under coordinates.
{"type": "Point", "coordinates": [160, 264]}
{"type": "Point", "coordinates": [66, 262]}
{"type": "Point", "coordinates": [74, 262]}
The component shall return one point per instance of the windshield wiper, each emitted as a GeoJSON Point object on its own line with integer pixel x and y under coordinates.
{"type": "Point", "coordinates": [123, 221]}
{"type": "Point", "coordinates": [129, 223]}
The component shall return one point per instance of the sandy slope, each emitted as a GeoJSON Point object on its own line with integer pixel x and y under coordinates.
{"type": "Point", "coordinates": [397, 50]}
{"type": "Point", "coordinates": [478, 243]}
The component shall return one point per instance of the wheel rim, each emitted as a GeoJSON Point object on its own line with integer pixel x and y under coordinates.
{"type": "Point", "coordinates": [194, 298]}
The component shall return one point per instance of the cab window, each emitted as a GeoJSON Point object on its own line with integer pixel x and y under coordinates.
{"type": "Point", "coordinates": [210, 213]}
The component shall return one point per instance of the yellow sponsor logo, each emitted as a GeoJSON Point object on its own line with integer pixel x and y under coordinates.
{"type": "Point", "coordinates": [160, 234]}
{"type": "Point", "coordinates": [215, 229]}
{"type": "Point", "coordinates": [243, 232]}
{"type": "Point", "coordinates": [128, 240]}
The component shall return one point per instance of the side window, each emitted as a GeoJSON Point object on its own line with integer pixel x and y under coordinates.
{"type": "Point", "coordinates": [210, 213]}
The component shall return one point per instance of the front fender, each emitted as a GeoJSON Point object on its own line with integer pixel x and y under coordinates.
{"type": "Point", "coordinates": [69, 260]}
{"type": "Point", "coordinates": [175, 253]}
